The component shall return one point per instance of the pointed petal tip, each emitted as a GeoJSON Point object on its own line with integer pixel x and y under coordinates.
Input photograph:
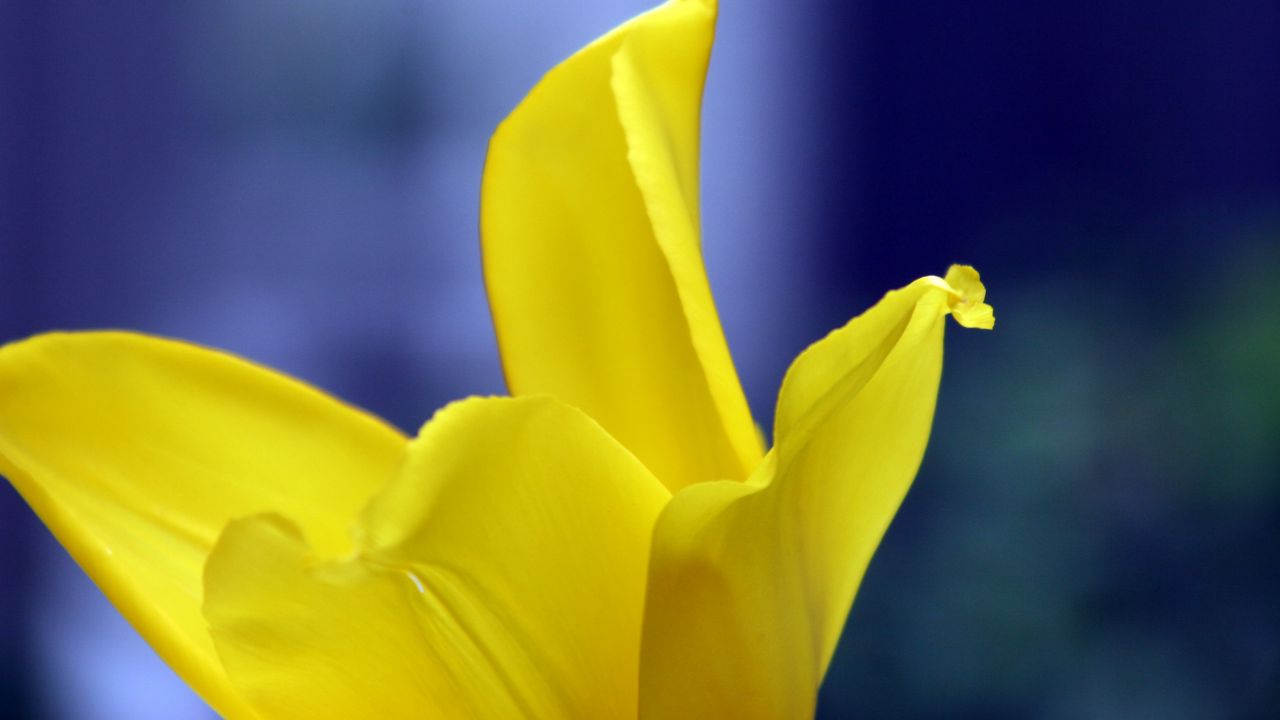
{"type": "Point", "coordinates": [968, 298]}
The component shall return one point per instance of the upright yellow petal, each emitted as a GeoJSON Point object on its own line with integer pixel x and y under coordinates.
{"type": "Point", "coordinates": [750, 583]}
{"type": "Point", "coordinates": [589, 221]}
{"type": "Point", "coordinates": [136, 451]}
{"type": "Point", "coordinates": [500, 576]}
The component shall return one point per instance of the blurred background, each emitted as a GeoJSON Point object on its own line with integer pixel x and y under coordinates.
{"type": "Point", "coordinates": [1094, 531]}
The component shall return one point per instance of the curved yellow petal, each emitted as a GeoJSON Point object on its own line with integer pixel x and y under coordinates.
{"type": "Point", "coordinates": [310, 639]}
{"type": "Point", "coordinates": [500, 576]}
{"type": "Point", "coordinates": [589, 221]}
{"type": "Point", "coordinates": [136, 451]}
{"type": "Point", "coordinates": [750, 583]}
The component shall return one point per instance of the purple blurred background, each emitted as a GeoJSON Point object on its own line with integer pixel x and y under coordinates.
{"type": "Point", "coordinates": [1093, 531]}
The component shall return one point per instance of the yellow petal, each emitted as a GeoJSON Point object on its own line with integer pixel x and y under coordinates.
{"type": "Point", "coordinates": [501, 575]}
{"type": "Point", "coordinates": [136, 451]}
{"type": "Point", "coordinates": [750, 582]}
{"type": "Point", "coordinates": [589, 220]}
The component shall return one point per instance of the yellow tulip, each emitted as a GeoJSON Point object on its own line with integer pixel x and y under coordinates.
{"type": "Point", "coordinates": [613, 542]}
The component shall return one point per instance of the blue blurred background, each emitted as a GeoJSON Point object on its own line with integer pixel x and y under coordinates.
{"type": "Point", "coordinates": [1093, 533]}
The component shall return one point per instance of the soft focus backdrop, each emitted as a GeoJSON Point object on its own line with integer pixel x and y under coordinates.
{"type": "Point", "coordinates": [1094, 531]}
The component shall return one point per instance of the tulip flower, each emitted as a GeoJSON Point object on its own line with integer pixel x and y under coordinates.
{"type": "Point", "coordinates": [611, 542]}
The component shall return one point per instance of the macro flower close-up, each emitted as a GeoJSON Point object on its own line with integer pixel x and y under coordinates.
{"type": "Point", "coordinates": [611, 541]}
{"type": "Point", "coordinates": [585, 359]}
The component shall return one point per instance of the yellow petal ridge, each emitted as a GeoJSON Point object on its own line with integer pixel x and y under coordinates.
{"type": "Point", "coordinates": [589, 227]}
{"type": "Point", "coordinates": [500, 575]}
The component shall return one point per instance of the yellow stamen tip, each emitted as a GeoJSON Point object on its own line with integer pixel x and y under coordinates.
{"type": "Point", "coordinates": [968, 297]}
